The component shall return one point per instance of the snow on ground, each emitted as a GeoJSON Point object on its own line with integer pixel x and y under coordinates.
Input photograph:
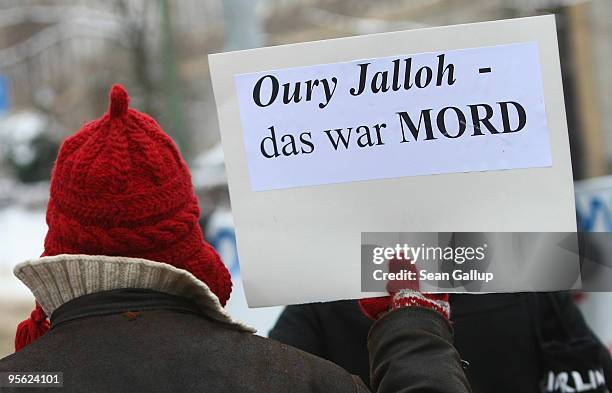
{"type": "Point", "coordinates": [22, 234]}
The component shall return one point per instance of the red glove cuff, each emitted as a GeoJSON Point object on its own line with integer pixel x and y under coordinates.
{"type": "Point", "coordinates": [410, 298]}
{"type": "Point", "coordinates": [374, 307]}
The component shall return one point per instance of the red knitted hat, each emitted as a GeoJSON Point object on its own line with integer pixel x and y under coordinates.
{"type": "Point", "coordinates": [120, 188]}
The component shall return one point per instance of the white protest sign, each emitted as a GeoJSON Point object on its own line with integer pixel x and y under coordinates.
{"type": "Point", "coordinates": [459, 128]}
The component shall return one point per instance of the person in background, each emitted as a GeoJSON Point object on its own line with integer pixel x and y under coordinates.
{"type": "Point", "coordinates": [135, 296]}
{"type": "Point", "coordinates": [496, 334]}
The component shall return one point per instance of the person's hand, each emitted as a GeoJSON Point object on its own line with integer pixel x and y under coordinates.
{"type": "Point", "coordinates": [404, 293]}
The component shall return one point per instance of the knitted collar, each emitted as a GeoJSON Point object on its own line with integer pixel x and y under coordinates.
{"type": "Point", "coordinates": [59, 279]}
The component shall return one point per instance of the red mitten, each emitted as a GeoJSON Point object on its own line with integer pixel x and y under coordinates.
{"type": "Point", "coordinates": [404, 293]}
{"type": "Point", "coordinates": [374, 307]}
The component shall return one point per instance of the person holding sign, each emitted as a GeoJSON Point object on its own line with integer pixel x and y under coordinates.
{"type": "Point", "coordinates": [129, 296]}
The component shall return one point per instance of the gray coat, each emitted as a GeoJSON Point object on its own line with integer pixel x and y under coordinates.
{"type": "Point", "coordinates": [134, 340]}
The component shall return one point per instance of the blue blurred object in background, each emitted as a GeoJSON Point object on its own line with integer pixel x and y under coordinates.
{"type": "Point", "coordinates": [4, 94]}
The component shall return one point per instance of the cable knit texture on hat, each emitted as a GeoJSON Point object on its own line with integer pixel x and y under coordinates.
{"type": "Point", "coordinates": [120, 188]}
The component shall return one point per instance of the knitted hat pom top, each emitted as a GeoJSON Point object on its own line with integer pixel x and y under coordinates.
{"type": "Point", "coordinates": [120, 187]}
{"type": "Point", "coordinates": [119, 101]}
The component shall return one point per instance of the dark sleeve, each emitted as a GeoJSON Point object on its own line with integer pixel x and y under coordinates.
{"type": "Point", "coordinates": [411, 350]}
{"type": "Point", "coordinates": [298, 326]}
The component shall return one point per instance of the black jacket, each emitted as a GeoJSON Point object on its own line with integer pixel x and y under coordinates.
{"type": "Point", "coordinates": [495, 334]}
{"type": "Point", "coordinates": [145, 341]}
